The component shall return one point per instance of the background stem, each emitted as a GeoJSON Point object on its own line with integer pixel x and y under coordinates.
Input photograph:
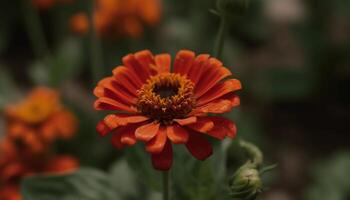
{"type": "Point", "coordinates": [35, 30]}
{"type": "Point", "coordinates": [220, 38]}
{"type": "Point", "coordinates": [166, 185]}
{"type": "Point", "coordinates": [95, 47]}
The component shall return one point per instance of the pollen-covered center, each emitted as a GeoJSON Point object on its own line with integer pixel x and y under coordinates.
{"type": "Point", "coordinates": [166, 97]}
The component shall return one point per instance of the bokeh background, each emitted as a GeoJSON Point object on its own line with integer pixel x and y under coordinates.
{"type": "Point", "coordinates": [292, 57]}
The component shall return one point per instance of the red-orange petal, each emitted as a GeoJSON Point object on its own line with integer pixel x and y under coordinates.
{"type": "Point", "coordinates": [146, 60]}
{"type": "Point", "coordinates": [147, 132]}
{"type": "Point", "coordinates": [221, 105]}
{"type": "Point", "coordinates": [222, 128]}
{"type": "Point", "coordinates": [163, 62]}
{"type": "Point", "coordinates": [129, 74]}
{"type": "Point", "coordinates": [62, 163]}
{"type": "Point", "coordinates": [183, 62]}
{"type": "Point", "coordinates": [116, 140]}
{"type": "Point", "coordinates": [163, 160]}
{"type": "Point", "coordinates": [119, 85]}
{"type": "Point", "coordinates": [121, 81]}
{"type": "Point", "coordinates": [198, 67]}
{"type": "Point", "coordinates": [102, 128]}
{"type": "Point", "coordinates": [115, 120]}
{"type": "Point", "coordinates": [156, 145]}
{"type": "Point", "coordinates": [128, 135]}
{"type": "Point", "coordinates": [186, 121]}
{"type": "Point", "coordinates": [198, 146]}
{"type": "Point", "coordinates": [177, 134]}
{"type": "Point", "coordinates": [203, 125]}
{"type": "Point", "coordinates": [110, 89]}
{"type": "Point", "coordinates": [219, 90]}
{"type": "Point", "coordinates": [131, 62]}
{"type": "Point", "coordinates": [104, 103]}
{"type": "Point", "coordinates": [214, 73]}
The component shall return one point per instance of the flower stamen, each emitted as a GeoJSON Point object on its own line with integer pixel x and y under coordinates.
{"type": "Point", "coordinates": [166, 97]}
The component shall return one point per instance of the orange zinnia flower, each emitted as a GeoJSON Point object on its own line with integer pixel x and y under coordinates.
{"type": "Point", "coordinates": [10, 192]}
{"type": "Point", "coordinates": [119, 17]}
{"type": "Point", "coordinates": [38, 120]}
{"type": "Point", "coordinates": [15, 165]}
{"type": "Point", "coordinates": [160, 107]}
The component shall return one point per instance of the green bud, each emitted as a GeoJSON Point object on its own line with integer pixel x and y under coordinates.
{"type": "Point", "coordinates": [232, 7]}
{"type": "Point", "coordinates": [246, 183]}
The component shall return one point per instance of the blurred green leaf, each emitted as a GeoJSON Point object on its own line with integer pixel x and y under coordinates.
{"type": "Point", "coordinates": [194, 179]}
{"type": "Point", "coordinates": [140, 162]}
{"type": "Point", "coordinates": [62, 66]}
{"type": "Point", "coordinates": [8, 90]}
{"type": "Point", "coordinates": [39, 73]}
{"type": "Point", "coordinates": [123, 178]}
{"type": "Point", "coordinates": [87, 184]}
{"type": "Point", "coordinates": [66, 61]}
{"type": "Point", "coordinates": [330, 180]}
{"type": "Point", "coordinates": [202, 182]}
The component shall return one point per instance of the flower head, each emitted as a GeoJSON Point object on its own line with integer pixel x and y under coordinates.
{"type": "Point", "coordinates": [161, 107]}
{"type": "Point", "coordinates": [32, 125]}
{"type": "Point", "coordinates": [15, 165]}
{"type": "Point", "coordinates": [38, 120]}
{"type": "Point", "coordinates": [119, 17]}
{"type": "Point", "coordinates": [10, 192]}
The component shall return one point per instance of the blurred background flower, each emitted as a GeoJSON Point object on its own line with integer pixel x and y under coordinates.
{"type": "Point", "coordinates": [38, 120]}
{"type": "Point", "coordinates": [117, 18]}
{"type": "Point", "coordinates": [27, 148]}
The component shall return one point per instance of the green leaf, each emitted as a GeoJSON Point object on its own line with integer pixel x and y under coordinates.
{"type": "Point", "coordinates": [123, 178]}
{"type": "Point", "coordinates": [39, 72]}
{"type": "Point", "coordinates": [8, 89]}
{"type": "Point", "coordinates": [140, 162]}
{"type": "Point", "coordinates": [62, 66]}
{"type": "Point", "coordinates": [85, 184]}
{"type": "Point", "coordinates": [66, 62]}
{"type": "Point", "coordinates": [194, 179]}
{"type": "Point", "coordinates": [329, 178]}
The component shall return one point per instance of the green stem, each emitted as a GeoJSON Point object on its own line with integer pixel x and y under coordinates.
{"type": "Point", "coordinates": [254, 153]}
{"type": "Point", "coordinates": [220, 38]}
{"type": "Point", "coordinates": [95, 47]}
{"type": "Point", "coordinates": [35, 29]}
{"type": "Point", "coordinates": [166, 186]}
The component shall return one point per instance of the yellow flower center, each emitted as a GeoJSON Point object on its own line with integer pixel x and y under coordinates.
{"type": "Point", "coordinates": [166, 97]}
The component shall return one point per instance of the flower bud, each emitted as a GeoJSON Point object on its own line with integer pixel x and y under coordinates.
{"type": "Point", "coordinates": [246, 183]}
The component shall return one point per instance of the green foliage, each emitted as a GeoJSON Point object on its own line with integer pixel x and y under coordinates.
{"type": "Point", "coordinates": [62, 66]}
{"type": "Point", "coordinates": [123, 179]}
{"type": "Point", "coordinates": [140, 162]}
{"type": "Point", "coordinates": [330, 178]}
{"type": "Point", "coordinates": [66, 61]}
{"type": "Point", "coordinates": [133, 180]}
{"type": "Point", "coordinates": [8, 89]}
{"type": "Point", "coordinates": [89, 184]}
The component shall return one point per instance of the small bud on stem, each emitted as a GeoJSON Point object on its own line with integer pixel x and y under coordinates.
{"type": "Point", "coordinates": [246, 183]}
